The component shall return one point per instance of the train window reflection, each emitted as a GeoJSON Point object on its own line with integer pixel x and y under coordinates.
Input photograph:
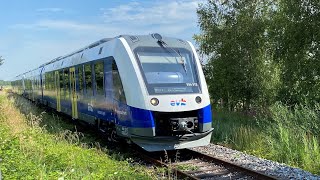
{"type": "Point", "coordinates": [88, 78]}
{"type": "Point", "coordinates": [67, 84]}
{"type": "Point", "coordinates": [61, 84]}
{"type": "Point", "coordinates": [99, 70]}
{"type": "Point", "coordinates": [117, 84]}
{"type": "Point", "coordinates": [80, 77]}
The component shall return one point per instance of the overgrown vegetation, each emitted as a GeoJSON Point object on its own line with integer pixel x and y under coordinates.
{"type": "Point", "coordinates": [285, 135]}
{"type": "Point", "coordinates": [41, 146]}
{"type": "Point", "coordinates": [4, 83]}
{"type": "Point", "coordinates": [263, 74]}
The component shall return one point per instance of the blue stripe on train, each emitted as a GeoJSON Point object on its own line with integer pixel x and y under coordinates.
{"type": "Point", "coordinates": [135, 118]}
{"type": "Point", "coordinates": [144, 119]}
{"type": "Point", "coordinates": [141, 118]}
{"type": "Point", "coordinates": [205, 114]}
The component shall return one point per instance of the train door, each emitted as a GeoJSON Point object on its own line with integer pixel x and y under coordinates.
{"type": "Point", "coordinates": [57, 89]}
{"type": "Point", "coordinates": [73, 96]}
{"type": "Point", "coordinates": [122, 111]}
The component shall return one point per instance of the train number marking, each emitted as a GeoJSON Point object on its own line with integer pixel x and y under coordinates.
{"type": "Point", "coordinates": [192, 84]}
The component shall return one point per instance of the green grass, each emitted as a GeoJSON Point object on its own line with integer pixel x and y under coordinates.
{"type": "Point", "coordinates": [187, 167]}
{"type": "Point", "coordinates": [39, 145]}
{"type": "Point", "coordinates": [286, 135]}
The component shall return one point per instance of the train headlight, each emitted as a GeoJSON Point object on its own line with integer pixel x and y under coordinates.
{"type": "Point", "coordinates": [154, 101]}
{"type": "Point", "coordinates": [198, 99]}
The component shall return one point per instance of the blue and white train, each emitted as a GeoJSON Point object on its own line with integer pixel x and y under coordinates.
{"type": "Point", "coordinates": [147, 89]}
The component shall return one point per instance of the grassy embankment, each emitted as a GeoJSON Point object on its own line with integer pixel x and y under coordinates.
{"type": "Point", "coordinates": [35, 145]}
{"type": "Point", "coordinates": [290, 136]}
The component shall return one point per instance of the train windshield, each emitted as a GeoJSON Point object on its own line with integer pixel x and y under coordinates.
{"type": "Point", "coordinates": [168, 70]}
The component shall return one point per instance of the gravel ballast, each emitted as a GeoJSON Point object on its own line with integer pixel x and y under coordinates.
{"type": "Point", "coordinates": [275, 169]}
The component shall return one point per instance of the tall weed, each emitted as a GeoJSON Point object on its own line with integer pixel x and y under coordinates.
{"type": "Point", "coordinates": [285, 134]}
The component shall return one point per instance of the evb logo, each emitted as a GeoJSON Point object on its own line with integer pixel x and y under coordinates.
{"type": "Point", "coordinates": [181, 102]}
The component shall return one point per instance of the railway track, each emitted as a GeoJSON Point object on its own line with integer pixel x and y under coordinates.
{"type": "Point", "coordinates": [189, 164]}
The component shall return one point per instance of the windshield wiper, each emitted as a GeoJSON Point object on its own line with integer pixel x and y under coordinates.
{"type": "Point", "coordinates": [183, 63]}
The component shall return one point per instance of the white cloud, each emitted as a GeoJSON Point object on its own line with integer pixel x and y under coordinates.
{"type": "Point", "coordinates": [173, 14]}
{"type": "Point", "coordinates": [159, 12]}
{"type": "Point", "coordinates": [172, 18]}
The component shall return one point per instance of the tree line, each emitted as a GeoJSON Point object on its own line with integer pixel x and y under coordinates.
{"type": "Point", "coordinates": [260, 52]}
{"type": "Point", "coordinates": [1, 60]}
{"type": "Point", "coordinates": [3, 83]}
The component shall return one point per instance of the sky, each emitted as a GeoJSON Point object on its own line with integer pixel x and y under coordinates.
{"type": "Point", "coordinates": [34, 32]}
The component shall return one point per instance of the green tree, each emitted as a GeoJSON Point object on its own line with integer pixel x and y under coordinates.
{"type": "Point", "coordinates": [1, 60]}
{"type": "Point", "coordinates": [297, 48]}
{"type": "Point", "coordinates": [240, 71]}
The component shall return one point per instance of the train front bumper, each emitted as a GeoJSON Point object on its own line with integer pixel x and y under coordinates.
{"type": "Point", "coordinates": [160, 143]}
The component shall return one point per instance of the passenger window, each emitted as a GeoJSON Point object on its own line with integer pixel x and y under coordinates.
{"type": "Point", "coordinates": [99, 70]}
{"type": "Point", "coordinates": [61, 84]}
{"type": "Point", "coordinates": [52, 81]}
{"type": "Point", "coordinates": [66, 82]}
{"type": "Point", "coordinates": [80, 77]}
{"type": "Point", "coordinates": [88, 77]}
{"type": "Point", "coordinates": [45, 81]}
{"type": "Point", "coordinates": [117, 84]}
{"type": "Point", "coordinates": [48, 81]}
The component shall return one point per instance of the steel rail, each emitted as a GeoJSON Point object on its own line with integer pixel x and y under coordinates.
{"type": "Point", "coordinates": [229, 166]}
{"type": "Point", "coordinates": [208, 158]}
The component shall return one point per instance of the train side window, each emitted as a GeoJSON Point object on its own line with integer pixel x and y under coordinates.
{"type": "Point", "coordinates": [80, 78]}
{"type": "Point", "coordinates": [99, 70]}
{"type": "Point", "coordinates": [67, 83]}
{"type": "Point", "coordinates": [52, 81]}
{"type": "Point", "coordinates": [61, 84]}
{"type": "Point", "coordinates": [117, 84]}
{"type": "Point", "coordinates": [54, 85]}
{"type": "Point", "coordinates": [48, 81]}
{"type": "Point", "coordinates": [88, 78]}
{"type": "Point", "coordinates": [45, 81]}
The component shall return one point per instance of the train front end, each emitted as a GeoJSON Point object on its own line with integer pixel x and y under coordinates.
{"type": "Point", "coordinates": [176, 112]}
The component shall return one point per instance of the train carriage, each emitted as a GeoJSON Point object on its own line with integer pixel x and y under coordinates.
{"type": "Point", "coordinates": [147, 89]}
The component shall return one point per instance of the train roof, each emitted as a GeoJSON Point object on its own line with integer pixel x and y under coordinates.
{"type": "Point", "coordinates": [78, 51]}
{"type": "Point", "coordinates": [133, 41]}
